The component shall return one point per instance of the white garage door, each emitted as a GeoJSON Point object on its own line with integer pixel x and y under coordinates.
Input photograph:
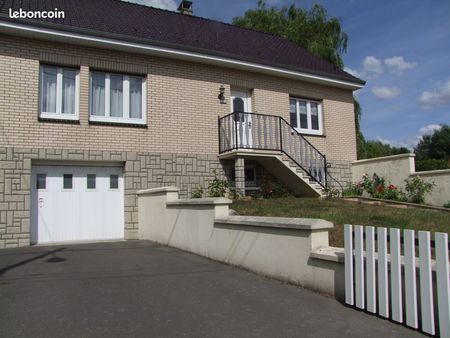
{"type": "Point", "coordinates": [74, 203]}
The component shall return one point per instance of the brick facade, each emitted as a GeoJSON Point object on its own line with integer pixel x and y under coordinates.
{"type": "Point", "coordinates": [178, 147]}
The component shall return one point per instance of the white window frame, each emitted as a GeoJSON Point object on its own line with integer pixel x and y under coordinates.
{"type": "Point", "coordinates": [308, 130]}
{"type": "Point", "coordinates": [125, 101]}
{"type": "Point", "coordinates": [58, 115]}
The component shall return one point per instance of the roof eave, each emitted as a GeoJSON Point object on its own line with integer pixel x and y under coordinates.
{"type": "Point", "coordinates": [175, 52]}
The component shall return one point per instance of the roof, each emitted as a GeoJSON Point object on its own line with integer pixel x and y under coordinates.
{"type": "Point", "coordinates": [132, 22]}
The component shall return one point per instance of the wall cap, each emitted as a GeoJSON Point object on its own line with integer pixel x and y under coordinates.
{"type": "Point", "coordinates": [277, 222]}
{"type": "Point", "coordinates": [384, 158]}
{"type": "Point", "coordinates": [330, 253]}
{"type": "Point", "coordinates": [157, 190]}
{"type": "Point", "coordinates": [200, 201]}
{"type": "Point", "coordinates": [431, 172]}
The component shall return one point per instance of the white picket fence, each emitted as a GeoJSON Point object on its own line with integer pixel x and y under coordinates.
{"type": "Point", "coordinates": [376, 282]}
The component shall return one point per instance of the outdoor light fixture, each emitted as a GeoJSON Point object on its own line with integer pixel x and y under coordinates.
{"type": "Point", "coordinates": [221, 96]}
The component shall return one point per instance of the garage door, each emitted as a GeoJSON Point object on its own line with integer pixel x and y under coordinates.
{"type": "Point", "coordinates": [74, 203]}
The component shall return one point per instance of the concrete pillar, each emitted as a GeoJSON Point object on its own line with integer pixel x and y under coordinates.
{"type": "Point", "coordinates": [239, 171]}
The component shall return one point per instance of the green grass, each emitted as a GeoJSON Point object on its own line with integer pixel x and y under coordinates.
{"type": "Point", "coordinates": [342, 212]}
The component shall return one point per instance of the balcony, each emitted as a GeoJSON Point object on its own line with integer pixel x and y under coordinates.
{"type": "Point", "coordinates": [261, 133]}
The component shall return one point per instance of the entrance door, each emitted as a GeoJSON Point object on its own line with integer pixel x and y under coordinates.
{"type": "Point", "coordinates": [76, 203]}
{"type": "Point", "coordinates": [241, 104]}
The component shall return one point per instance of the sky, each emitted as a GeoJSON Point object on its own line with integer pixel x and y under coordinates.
{"type": "Point", "coordinates": [400, 47]}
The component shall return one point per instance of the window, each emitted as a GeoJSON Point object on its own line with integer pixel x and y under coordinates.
{"type": "Point", "coordinates": [250, 176]}
{"type": "Point", "coordinates": [306, 116]}
{"type": "Point", "coordinates": [59, 93]}
{"type": "Point", "coordinates": [114, 182]}
{"type": "Point", "coordinates": [91, 181]}
{"type": "Point", "coordinates": [117, 98]}
{"type": "Point", "coordinates": [41, 181]}
{"type": "Point", "coordinates": [67, 181]}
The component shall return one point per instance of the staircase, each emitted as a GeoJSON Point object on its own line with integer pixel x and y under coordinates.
{"type": "Point", "coordinates": [273, 142]}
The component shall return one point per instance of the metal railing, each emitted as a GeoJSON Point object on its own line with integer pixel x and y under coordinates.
{"type": "Point", "coordinates": [240, 130]}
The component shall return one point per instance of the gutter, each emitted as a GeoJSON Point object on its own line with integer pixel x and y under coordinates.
{"type": "Point", "coordinates": [136, 45]}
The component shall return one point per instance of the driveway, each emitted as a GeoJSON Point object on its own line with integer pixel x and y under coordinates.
{"type": "Point", "coordinates": [141, 289]}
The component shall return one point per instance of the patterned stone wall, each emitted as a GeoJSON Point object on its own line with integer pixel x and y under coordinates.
{"type": "Point", "coordinates": [141, 171]}
{"type": "Point", "coordinates": [341, 171]}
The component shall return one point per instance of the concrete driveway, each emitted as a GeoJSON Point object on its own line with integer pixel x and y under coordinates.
{"type": "Point", "coordinates": [141, 289]}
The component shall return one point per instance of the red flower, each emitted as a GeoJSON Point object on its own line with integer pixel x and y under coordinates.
{"type": "Point", "coordinates": [392, 187]}
{"type": "Point", "coordinates": [380, 188]}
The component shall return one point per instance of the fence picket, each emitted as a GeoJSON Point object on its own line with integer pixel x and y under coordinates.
{"type": "Point", "coordinates": [383, 292]}
{"type": "Point", "coordinates": [396, 275]}
{"type": "Point", "coordinates": [370, 270]}
{"type": "Point", "coordinates": [410, 278]}
{"type": "Point", "coordinates": [442, 282]}
{"type": "Point", "coordinates": [359, 266]}
{"type": "Point", "coordinates": [426, 286]}
{"type": "Point", "coordinates": [348, 244]}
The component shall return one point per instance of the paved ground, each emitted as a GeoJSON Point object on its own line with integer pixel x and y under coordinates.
{"type": "Point", "coordinates": [137, 289]}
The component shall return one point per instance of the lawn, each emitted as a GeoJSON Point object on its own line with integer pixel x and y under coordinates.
{"type": "Point", "coordinates": [342, 212]}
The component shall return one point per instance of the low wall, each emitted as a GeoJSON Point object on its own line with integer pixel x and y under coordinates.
{"type": "Point", "coordinates": [396, 169]}
{"type": "Point", "coordinates": [441, 190]}
{"type": "Point", "coordinates": [277, 247]}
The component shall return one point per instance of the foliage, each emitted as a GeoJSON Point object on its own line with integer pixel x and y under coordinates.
{"type": "Point", "coordinates": [377, 187]}
{"type": "Point", "coordinates": [222, 188]}
{"type": "Point", "coordinates": [360, 140]}
{"type": "Point", "coordinates": [435, 145]}
{"type": "Point", "coordinates": [332, 192]}
{"type": "Point", "coordinates": [447, 205]}
{"type": "Point", "coordinates": [431, 164]}
{"type": "Point", "coordinates": [311, 29]}
{"type": "Point", "coordinates": [273, 189]}
{"type": "Point", "coordinates": [353, 190]}
{"type": "Point", "coordinates": [372, 149]}
{"type": "Point", "coordinates": [197, 193]}
{"type": "Point", "coordinates": [416, 189]}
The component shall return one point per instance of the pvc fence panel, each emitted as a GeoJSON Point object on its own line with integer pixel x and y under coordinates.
{"type": "Point", "coordinates": [410, 278]}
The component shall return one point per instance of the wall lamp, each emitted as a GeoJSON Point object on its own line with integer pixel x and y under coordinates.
{"type": "Point", "coordinates": [221, 96]}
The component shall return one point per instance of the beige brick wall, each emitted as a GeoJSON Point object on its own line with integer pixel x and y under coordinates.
{"type": "Point", "coordinates": [182, 106]}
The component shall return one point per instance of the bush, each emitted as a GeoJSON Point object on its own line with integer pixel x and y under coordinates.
{"type": "Point", "coordinates": [197, 193]}
{"type": "Point", "coordinates": [417, 188]}
{"type": "Point", "coordinates": [431, 164]}
{"type": "Point", "coordinates": [353, 190]}
{"type": "Point", "coordinates": [447, 205]}
{"type": "Point", "coordinates": [271, 189]}
{"type": "Point", "coordinates": [218, 187]}
{"type": "Point", "coordinates": [376, 187]}
{"type": "Point", "coordinates": [222, 188]}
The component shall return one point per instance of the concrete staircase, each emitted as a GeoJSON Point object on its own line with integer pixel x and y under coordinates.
{"type": "Point", "coordinates": [291, 175]}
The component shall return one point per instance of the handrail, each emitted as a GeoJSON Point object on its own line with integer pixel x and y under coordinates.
{"type": "Point", "coordinates": [277, 116]}
{"type": "Point", "coordinates": [238, 130]}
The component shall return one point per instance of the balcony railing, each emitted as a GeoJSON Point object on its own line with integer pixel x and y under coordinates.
{"type": "Point", "coordinates": [268, 132]}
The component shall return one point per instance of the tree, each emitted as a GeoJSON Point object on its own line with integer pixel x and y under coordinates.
{"type": "Point", "coordinates": [374, 149]}
{"type": "Point", "coordinates": [433, 150]}
{"type": "Point", "coordinates": [310, 29]}
{"type": "Point", "coordinates": [360, 140]}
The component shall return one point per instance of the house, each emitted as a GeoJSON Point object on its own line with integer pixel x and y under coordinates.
{"type": "Point", "coordinates": [100, 99]}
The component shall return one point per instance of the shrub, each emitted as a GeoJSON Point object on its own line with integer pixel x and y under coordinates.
{"type": "Point", "coordinates": [417, 188]}
{"type": "Point", "coordinates": [376, 187]}
{"type": "Point", "coordinates": [431, 164]}
{"type": "Point", "coordinates": [271, 189]}
{"type": "Point", "coordinates": [353, 190]}
{"type": "Point", "coordinates": [197, 193]}
{"type": "Point", "coordinates": [447, 205]}
{"type": "Point", "coordinates": [218, 187]}
{"type": "Point", "coordinates": [332, 192]}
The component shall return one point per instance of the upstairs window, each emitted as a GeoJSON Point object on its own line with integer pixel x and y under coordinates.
{"type": "Point", "coordinates": [59, 92]}
{"type": "Point", "coordinates": [306, 116]}
{"type": "Point", "coordinates": [117, 98]}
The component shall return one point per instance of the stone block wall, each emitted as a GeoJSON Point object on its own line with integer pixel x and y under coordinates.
{"type": "Point", "coordinates": [141, 171]}
{"type": "Point", "coordinates": [341, 171]}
